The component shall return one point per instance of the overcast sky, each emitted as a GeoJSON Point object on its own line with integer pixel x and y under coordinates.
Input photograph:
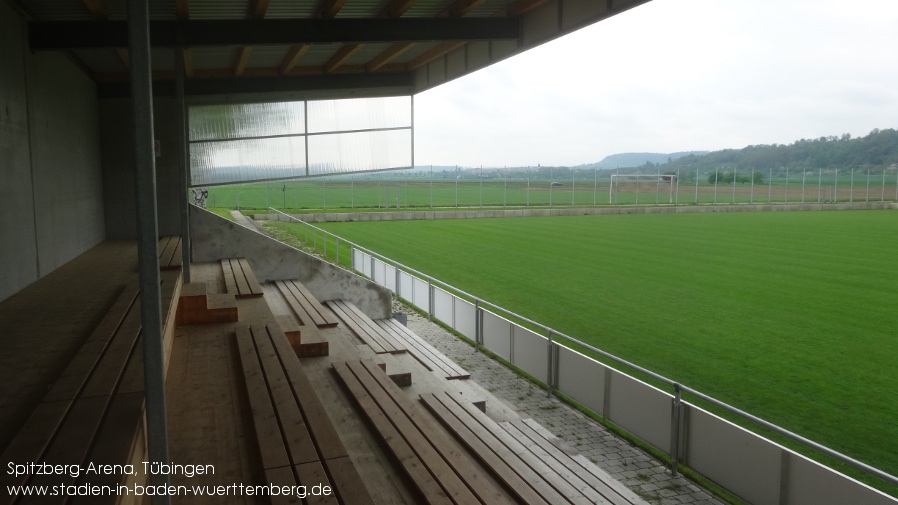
{"type": "Point", "coordinates": [673, 75]}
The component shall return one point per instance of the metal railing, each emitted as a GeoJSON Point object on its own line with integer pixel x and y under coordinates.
{"type": "Point", "coordinates": [553, 336]}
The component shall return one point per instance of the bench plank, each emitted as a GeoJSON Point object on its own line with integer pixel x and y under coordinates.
{"type": "Point", "coordinates": [346, 482]}
{"type": "Point", "coordinates": [429, 489]}
{"type": "Point", "coordinates": [113, 443]}
{"type": "Point", "coordinates": [485, 490]}
{"type": "Point", "coordinates": [323, 432]}
{"type": "Point", "coordinates": [229, 278]}
{"type": "Point", "coordinates": [376, 382]}
{"type": "Point", "coordinates": [495, 432]}
{"type": "Point", "coordinates": [598, 490]}
{"type": "Point", "coordinates": [426, 354]}
{"type": "Point", "coordinates": [293, 426]}
{"type": "Point", "coordinates": [367, 332]}
{"type": "Point", "coordinates": [78, 370]}
{"type": "Point", "coordinates": [243, 289]}
{"type": "Point", "coordinates": [282, 476]}
{"type": "Point", "coordinates": [517, 477]}
{"type": "Point", "coordinates": [321, 315]}
{"type": "Point", "coordinates": [107, 372]}
{"type": "Point", "coordinates": [255, 289]}
{"type": "Point", "coordinates": [73, 440]}
{"type": "Point", "coordinates": [312, 474]}
{"type": "Point", "coordinates": [268, 432]}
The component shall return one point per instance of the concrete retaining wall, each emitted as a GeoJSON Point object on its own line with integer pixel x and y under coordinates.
{"type": "Point", "coordinates": [214, 238]}
{"type": "Point", "coordinates": [576, 211]}
{"type": "Point", "coordinates": [51, 195]}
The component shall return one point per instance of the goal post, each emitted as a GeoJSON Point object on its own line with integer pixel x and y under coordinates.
{"type": "Point", "coordinates": [618, 180]}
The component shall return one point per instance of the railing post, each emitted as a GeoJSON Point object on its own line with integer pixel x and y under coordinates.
{"type": "Point", "coordinates": [549, 365]}
{"type": "Point", "coordinates": [372, 267]}
{"type": "Point", "coordinates": [352, 258]}
{"type": "Point", "coordinates": [430, 299]}
{"type": "Point", "coordinates": [478, 337]}
{"type": "Point", "coordinates": [337, 239]}
{"type": "Point", "coordinates": [398, 281]}
{"type": "Point", "coordinates": [676, 415]}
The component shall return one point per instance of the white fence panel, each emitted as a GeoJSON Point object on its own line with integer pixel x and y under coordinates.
{"type": "Point", "coordinates": [530, 352]}
{"type": "Point", "coordinates": [379, 276]}
{"type": "Point", "coordinates": [641, 409]}
{"type": "Point", "coordinates": [442, 306]}
{"type": "Point", "coordinates": [744, 463]}
{"type": "Point", "coordinates": [406, 286]}
{"type": "Point", "coordinates": [810, 483]}
{"type": "Point", "coordinates": [465, 316]}
{"type": "Point", "coordinates": [422, 295]}
{"type": "Point", "coordinates": [497, 334]}
{"type": "Point", "coordinates": [390, 277]}
{"type": "Point", "coordinates": [582, 378]}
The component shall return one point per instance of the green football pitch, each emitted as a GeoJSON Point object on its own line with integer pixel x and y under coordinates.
{"type": "Point", "coordinates": [789, 315]}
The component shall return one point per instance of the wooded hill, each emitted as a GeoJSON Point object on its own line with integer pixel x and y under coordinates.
{"type": "Point", "coordinates": [876, 151]}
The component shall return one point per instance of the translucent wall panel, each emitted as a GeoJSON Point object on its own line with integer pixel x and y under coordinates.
{"type": "Point", "coordinates": [360, 114]}
{"type": "Point", "coordinates": [246, 160]}
{"type": "Point", "coordinates": [214, 122]}
{"type": "Point", "coordinates": [265, 141]}
{"type": "Point", "coordinates": [354, 152]}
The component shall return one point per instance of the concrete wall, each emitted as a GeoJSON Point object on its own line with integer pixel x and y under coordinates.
{"type": "Point", "coordinates": [51, 195]}
{"type": "Point", "coordinates": [118, 167]}
{"type": "Point", "coordinates": [214, 238]}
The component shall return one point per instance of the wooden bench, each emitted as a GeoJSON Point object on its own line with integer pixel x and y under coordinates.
{"type": "Point", "coordinates": [426, 354]}
{"type": "Point", "coordinates": [305, 306]}
{"type": "Point", "coordinates": [528, 470]}
{"type": "Point", "coordinates": [577, 469]}
{"type": "Point", "coordinates": [240, 280]}
{"type": "Point", "coordinates": [380, 340]}
{"type": "Point", "coordinates": [94, 411]}
{"type": "Point", "coordinates": [437, 470]}
{"type": "Point", "coordinates": [170, 254]}
{"type": "Point", "coordinates": [297, 442]}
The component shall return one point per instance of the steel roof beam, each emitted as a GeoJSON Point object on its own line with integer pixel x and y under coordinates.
{"type": "Point", "coordinates": [60, 35]}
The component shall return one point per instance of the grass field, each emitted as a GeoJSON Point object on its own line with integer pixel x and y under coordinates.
{"type": "Point", "coordinates": [790, 316]}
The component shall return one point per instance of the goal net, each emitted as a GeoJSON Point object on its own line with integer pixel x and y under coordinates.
{"type": "Point", "coordinates": [641, 188]}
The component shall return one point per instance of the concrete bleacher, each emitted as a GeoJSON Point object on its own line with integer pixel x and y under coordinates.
{"type": "Point", "coordinates": [251, 389]}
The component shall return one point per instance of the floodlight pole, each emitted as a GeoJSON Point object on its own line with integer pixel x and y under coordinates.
{"type": "Point", "coordinates": [148, 241]}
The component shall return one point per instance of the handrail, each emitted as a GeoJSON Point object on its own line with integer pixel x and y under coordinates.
{"type": "Point", "coordinates": [713, 401]}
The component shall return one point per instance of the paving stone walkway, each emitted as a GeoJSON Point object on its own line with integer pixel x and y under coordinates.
{"type": "Point", "coordinates": [646, 476]}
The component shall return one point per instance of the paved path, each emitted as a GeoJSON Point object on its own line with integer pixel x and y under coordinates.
{"type": "Point", "coordinates": [646, 476]}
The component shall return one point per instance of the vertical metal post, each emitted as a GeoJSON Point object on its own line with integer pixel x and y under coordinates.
{"type": "Point", "coordinates": [478, 330]}
{"type": "Point", "coordinates": [696, 186]}
{"type": "Point", "coordinates": [786, 189]}
{"type": "Point", "coordinates": [338, 248]}
{"type": "Point", "coordinates": [148, 240]}
{"type": "Point", "coordinates": [734, 185]}
{"type": "Point", "coordinates": [751, 197]}
{"type": "Point", "coordinates": [836, 188]}
{"type": "Point", "coordinates": [595, 186]}
{"type": "Point", "coordinates": [183, 162]}
{"type": "Point", "coordinates": [804, 174]}
{"type": "Point", "coordinates": [549, 367]}
{"type": "Point", "coordinates": [820, 186]}
{"type": "Point", "coordinates": [429, 299]}
{"type": "Point", "coordinates": [867, 196]}
{"type": "Point", "coordinates": [675, 430]}
{"type": "Point", "coordinates": [851, 188]}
